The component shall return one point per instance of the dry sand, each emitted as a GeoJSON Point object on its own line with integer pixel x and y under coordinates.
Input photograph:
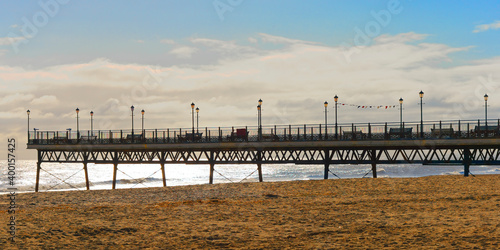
{"type": "Point", "coordinates": [430, 212]}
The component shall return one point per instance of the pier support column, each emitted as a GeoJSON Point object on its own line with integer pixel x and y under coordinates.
{"type": "Point", "coordinates": [211, 180]}
{"type": "Point", "coordinates": [327, 163]}
{"type": "Point", "coordinates": [327, 169]}
{"type": "Point", "coordinates": [374, 170]}
{"type": "Point", "coordinates": [115, 169]}
{"type": "Point", "coordinates": [259, 164]}
{"type": "Point", "coordinates": [466, 162]}
{"type": "Point", "coordinates": [374, 163]}
{"type": "Point", "coordinates": [38, 167]}
{"type": "Point", "coordinates": [163, 174]}
{"type": "Point", "coordinates": [259, 169]}
{"type": "Point", "coordinates": [86, 175]}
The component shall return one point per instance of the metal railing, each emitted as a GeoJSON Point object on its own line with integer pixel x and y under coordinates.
{"type": "Point", "coordinates": [455, 129]}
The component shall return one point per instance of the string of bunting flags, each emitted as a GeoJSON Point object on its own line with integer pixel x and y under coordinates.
{"type": "Point", "coordinates": [368, 106]}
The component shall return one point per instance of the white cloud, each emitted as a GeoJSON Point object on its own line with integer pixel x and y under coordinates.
{"type": "Point", "coordinates": [400, 38]}
{"type": "Point", "coordinates": [10, 40]}
{"type": "Point", "coordinates": [167, 41]}
{"type": "Point", "coordinates": [225, 47]}
{"type": "Point", "coordinates": [45, 100]}
{"type": "Point", "coordinates": [139, 41]}
{"type": "Point", "coordinates": [484, 27]}
{"type": "Point", "coordinates": [14, 98]}
{"type": "Point", "coordinates": [183, 52]}
{"type": "Point", "coordinates": [252, 40]}
{"type": "Point", "coordinates": [282, 40]}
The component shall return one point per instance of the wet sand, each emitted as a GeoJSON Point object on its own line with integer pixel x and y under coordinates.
{"type": "Point", "coordinates": [429, 212]}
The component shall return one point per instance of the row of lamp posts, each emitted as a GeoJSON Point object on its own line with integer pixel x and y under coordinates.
{"type": "Point", "coordinates": [142, 128]}
{"type": "Point", "coordinates": [336, 98]}
{"type": "Point", "coordinates": [192, 118]}
{"type": "Point", "coordinates": [92, 121]}
{"type": "Point", "coordinates": [259, 119]}
{"type": "Point", "coordinates": [421, 95]}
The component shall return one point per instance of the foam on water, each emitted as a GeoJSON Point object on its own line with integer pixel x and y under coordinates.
{"type": "Point", "coordinates": [69, 176]}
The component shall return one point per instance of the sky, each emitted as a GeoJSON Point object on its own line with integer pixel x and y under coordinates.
{"type": "Point", "coordinates": [225, 55]}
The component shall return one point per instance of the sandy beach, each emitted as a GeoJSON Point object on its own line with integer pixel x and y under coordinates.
{"type": "Point", "coordinates": [429, 212]}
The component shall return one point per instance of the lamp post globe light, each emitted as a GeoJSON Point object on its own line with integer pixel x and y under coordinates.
{"type": "Point", "coordinates": [336, 98]}
{"type": "Point", "coordinates": [326, 119]}
{"type": "Point", "coordinates": [77, 124]}
{"type": "Point", "coordinates": [28, 112]}
{"type": "Point", "coordinates": [197, 119]}
{"type": "Point", "coordinates": [486, 110]}
{"type": "Point", "coordinates": [91, 123]}
{"type": "Point", "coordinates": [421, 94]}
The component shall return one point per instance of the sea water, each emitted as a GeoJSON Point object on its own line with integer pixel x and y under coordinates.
{"type": "Point", "coordinates": [70, 176]}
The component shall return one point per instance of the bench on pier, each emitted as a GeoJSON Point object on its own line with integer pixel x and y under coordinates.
{"type": "Point", "coordinates": [485, 130]}
{"type": "Point", "coordinates": [60, 139]}
{"type": "Point", "coordinates": [270, 137]}
{"type": "Point", "coordinates": [240, 134]}
{"type": "Point", "coordinates": [401, 132]}
{"type": "Point", "coordinates": [353, 135]}
{"type": "Point", "coordinates": [190, 137]}
{"type": "Point", "coordinates": [88, 138]}
{"type": "Point", "coordinates": [135, 137]}
{"type": "Point", "coordinates": [442, 132]}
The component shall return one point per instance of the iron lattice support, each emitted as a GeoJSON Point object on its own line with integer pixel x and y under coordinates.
{"type": "Point", "coordinates": [467, 155]}
{"type": "Point", "coordinates": [483, 156]}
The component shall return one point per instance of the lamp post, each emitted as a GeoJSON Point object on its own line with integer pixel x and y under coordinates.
{"type": "Point", "coordinates": [132, 109]}
{"type": "Point", "coordinates": [258, 121]}
{"type": "Point", "coordinates": [336, 98]}
{"type": "Point", "coordinates": [401, 117]}
{"type": "Point", "coordinates": [401, 112]}
{"type": "Point", "coordinates": [259, 109]}
{"type": "Point", "coordinates": [421, 94]}
{"type": "Point", "coordinates": [486, 110]}
{"type": "Point", "coordinates": [28, 112]}
{"type": "Point", "coordinates": [77, 124]}
{"type": "Point", "coordinates": [192, 119]}
{"type": "Point", "coordinates": [91, 123]}
{"type": "Point", "coordinates": [197, 118]}
{"type": "Point", "coordinates": [326, 119]}
{"type": "Point", "coordinates": [142, 112]}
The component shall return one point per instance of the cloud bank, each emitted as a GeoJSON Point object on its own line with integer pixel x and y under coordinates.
{"type": "Point", "coordinates": [485, 27]}
{"type": "Point", "coordinates": [293, 81]}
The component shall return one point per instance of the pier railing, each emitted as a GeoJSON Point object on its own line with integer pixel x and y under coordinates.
{"type": "Point", "coordinates": [306, 132]}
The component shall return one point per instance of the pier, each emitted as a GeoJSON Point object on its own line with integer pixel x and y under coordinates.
{"type": "Point", "coordinates": [433, 143]}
